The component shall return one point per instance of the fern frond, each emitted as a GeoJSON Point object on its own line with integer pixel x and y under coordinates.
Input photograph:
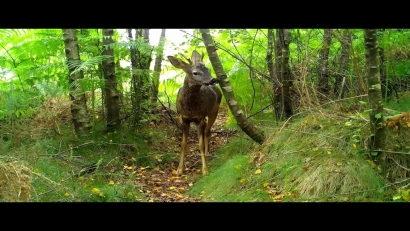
{"type": "Point", "coordinates": [92, 62]}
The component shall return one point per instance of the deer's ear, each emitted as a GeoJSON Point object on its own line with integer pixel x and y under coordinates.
{"type": "Point", "coordinates": [196, 57]}
{"type": "Point", "coordinates": [178, 63]}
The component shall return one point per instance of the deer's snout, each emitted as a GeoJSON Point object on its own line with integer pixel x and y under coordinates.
{"type": "Point", "coordinates": [212, 82]}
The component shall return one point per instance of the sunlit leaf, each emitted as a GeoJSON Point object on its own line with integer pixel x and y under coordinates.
{"type": "Point", "coordinates": [396, 197]}
{"type": "Point", "coordinates": [378, 115]}
{"type": "Point", "coordinates": [405, 194]}
{"type": "Point", "coordinates": [95, 190]}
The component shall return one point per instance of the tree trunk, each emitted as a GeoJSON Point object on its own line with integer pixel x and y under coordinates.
{"type": "Point", "coordinates": [118, 71]}
{"type": "Point", "coordinates": [323, 70]}
{"type": "Point", "coordinates": [386, 93]}
{"type": "Point", "coordinates": [110, 86]}
{"type": "Point", "coordinates": [378, 137]}
{"type": "Point", "coordinates": [346, 43]}
{"type": "Point", "coordinates": [277, 86]}
{"type": "Point", "coordinates": [80, 114]}
{"type": "Point", "coordinates": [278, 98]}
{"type": "Point", "coordinates": [135, 82]}
{"type": "Point", "coordinates": [228, 93]}
{"type": "Point", "coordinates": [286, 80]}
{"type": "Point", "coordinates": [157, 67]}
{"type": "Point", "coordinates": [144, 61]}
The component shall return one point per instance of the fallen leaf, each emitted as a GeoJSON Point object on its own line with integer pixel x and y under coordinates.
{"type": "Point", "coordinates": [174, 172]}
{"type": "Point", "coordinates": [266, 184]}
{"type": "Point", "coordinates": [151, 200]}
{"type": "Point", "coordinates": [172, 187]}
{"type": "Point", "coordinates": [243, 180]}
{"type": "Point", "coordinates": [127, 167]}
{"type": "Point", "coordinates": [258, 171]}
{"type": "Point", "coordinates": [280, 196]}
{"type": "Point", "coordinates": [339, 164]}
{"type": "Point", "coordinates": [173, 138]}
{"type": "Point", "coordinates": [95, 190]}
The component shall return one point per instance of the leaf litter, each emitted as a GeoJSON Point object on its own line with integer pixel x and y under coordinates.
{"type": "Point", "coordinates": [160, 183]}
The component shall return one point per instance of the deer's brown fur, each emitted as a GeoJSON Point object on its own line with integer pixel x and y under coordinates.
{"type": "Point", "coordinates": [198, 101]}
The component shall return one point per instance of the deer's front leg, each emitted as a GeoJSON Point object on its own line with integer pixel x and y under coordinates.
{"type": "Point", "coordinates": [185, 133]}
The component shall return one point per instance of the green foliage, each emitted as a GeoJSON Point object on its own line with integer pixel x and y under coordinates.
{"type": "Point", "coordinates": [33, 67]}
{"type": "Point", "coordinates": [93, 62]}
{"type": "Point", "coordinates": [312, 159]}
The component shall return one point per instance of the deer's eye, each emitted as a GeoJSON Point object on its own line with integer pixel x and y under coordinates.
{"type": "Point", "coordinates": [195, 73]}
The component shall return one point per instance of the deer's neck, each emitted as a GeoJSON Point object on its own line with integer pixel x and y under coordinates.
{"type": "Point", "coordinates": [191, 91]}
{"type": "Point", "coordinates": [191, 94]}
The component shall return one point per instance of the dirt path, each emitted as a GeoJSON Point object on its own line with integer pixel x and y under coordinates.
{"type": "Point", "coordinates": [160, 183]}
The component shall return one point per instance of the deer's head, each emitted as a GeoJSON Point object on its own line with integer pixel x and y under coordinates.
{"type": "Point", "coordinates": [196, 71]}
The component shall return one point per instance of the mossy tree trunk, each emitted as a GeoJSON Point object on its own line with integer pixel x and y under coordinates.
{"type": "Point", "coordinates": [286, 79]}
{"type": "Point", "coordinates": [110, 83]}
{"type": "Point", "coordinates": [80, 114]}
{"type": "Point", "coordinates": [157, 67]}
{"type": "Point", "coordinates": [323, 68]}
{"type": "Point", "coordinates": [227, 90]}
{"type": "Point", "coordinates": [140, 63]}
{"type": "Point", "coordinates": [278, 98]}
{"type": "Point", "coordinates": [378, 137]}
{"type": "Point", "coordinates": [340, 81]}
{"type": "Point", "coordinates": [277, 86]}
{"type": "Point", "coordinates": [135, 81]}
{"type": "Point", "coordinates": [144, 56]}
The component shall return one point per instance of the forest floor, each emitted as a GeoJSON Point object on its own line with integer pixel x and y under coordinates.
{"type": "Point", "coordinates": [161, 183]}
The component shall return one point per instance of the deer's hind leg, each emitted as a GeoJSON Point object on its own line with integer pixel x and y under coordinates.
{"type": "Point", "coordinates": [201, 126]}
{"type": "Point", "coordinates": [207, 134]}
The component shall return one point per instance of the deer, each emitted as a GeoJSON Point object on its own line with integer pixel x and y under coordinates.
{"type": "Point", "coordinates": [198, 101]}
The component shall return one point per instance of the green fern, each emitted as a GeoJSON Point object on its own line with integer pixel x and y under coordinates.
{"type": "Point", "coordinates": [90, 63]}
